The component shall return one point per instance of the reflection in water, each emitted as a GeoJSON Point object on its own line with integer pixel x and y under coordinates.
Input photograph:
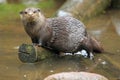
{"type": "Point", "coordinates": [28, 72]}
{"type": "Point", "coordinates": [98, 26]}
{"type": "Point", "coordinates": [116, 22]}
{"type": "Point", "coordinates": [103, 27]}
{"type": "Point", "coordinates": [40, 70]}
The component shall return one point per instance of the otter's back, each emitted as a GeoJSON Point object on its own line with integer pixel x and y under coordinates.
{"type": "Point", "coordinates": [68, 33]}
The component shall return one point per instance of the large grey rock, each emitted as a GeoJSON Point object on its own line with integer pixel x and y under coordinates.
{"type": "Point", "coordinates": [30, 2]}
{"type": "Point", "coordinates": [83, 9]}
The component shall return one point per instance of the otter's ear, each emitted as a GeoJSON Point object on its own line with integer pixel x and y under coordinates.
{"type": "Point", "coordinates": [21, 12]}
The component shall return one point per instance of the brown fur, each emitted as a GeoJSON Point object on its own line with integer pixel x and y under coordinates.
{"type": "Point", "coordinates": [64, 34]}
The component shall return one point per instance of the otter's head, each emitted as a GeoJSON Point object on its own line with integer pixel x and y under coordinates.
{"type": "Point", "coordinates": [31, 14]}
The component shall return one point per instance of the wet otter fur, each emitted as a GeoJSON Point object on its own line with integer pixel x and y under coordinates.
{"type": "Point", "coordinates": [62, 34]}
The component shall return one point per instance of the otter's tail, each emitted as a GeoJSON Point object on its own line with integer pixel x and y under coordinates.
{"type": "Point", "coordinates": [97, 48]}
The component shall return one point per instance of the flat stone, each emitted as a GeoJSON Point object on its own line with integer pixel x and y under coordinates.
{"type": "Point", "coordinates": [76, 76]}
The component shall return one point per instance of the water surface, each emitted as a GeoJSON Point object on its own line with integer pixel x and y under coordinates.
{"type": "Point", "coordinates": [106, 28]}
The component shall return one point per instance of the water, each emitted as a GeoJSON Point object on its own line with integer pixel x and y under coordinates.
{"type": "Point", "coordinates": [106, 28]}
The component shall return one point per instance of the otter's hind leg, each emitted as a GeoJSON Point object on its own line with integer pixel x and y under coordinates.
{"type": "Point", "coordinates": [87, 54]}
{"type": "Point", "coordinates": [87, 46]}
{"type": "Point", "coordinates": [37, 42]}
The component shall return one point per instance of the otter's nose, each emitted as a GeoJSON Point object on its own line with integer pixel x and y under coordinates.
{"type": "Point", "coordinates": [30, 13]}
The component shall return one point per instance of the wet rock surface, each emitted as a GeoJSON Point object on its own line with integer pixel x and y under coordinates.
{"type": "Point", "coordinates": [83, 9]}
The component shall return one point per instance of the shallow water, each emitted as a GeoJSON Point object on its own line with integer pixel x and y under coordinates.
{"type": "Point", "coordinates": [106, 28]}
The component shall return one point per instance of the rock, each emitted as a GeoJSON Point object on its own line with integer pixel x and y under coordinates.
{"type": "Point", "coordinates": [75, 76]}
{"type": "Point", "coordinates": [83, 9]}
{"type": "Point", "coordinates": [30, 54]}
{"type": "Point", "coordinates": [30, 2]}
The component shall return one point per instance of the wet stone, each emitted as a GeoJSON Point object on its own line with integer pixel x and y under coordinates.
{"type": "Point", "coordinates": [76, 76]}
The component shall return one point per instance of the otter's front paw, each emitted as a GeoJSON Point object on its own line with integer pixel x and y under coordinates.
{"type": "Point", "coordinates": [40, 44]}
{"type": "Point", "coordinates": [34, 44]}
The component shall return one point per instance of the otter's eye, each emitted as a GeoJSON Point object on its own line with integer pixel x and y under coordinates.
{"type": "Point", "coordinates": [21, 12]}
{"type": "Point", "coordinates": [25, 12]}
{"type": "Point", "coordinates": [38, 10]}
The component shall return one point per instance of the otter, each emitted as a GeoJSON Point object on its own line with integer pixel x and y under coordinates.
{"type": "Point", "coordinates": [62, 34]}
